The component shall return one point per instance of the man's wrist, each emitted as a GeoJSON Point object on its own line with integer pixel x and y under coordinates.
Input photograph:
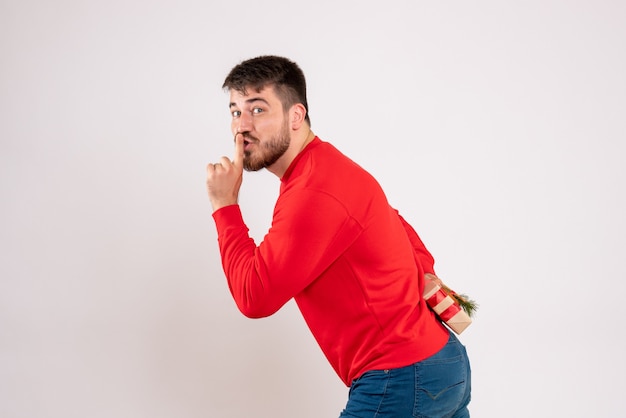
{"type": "Point", "coordinates": [219, 204]}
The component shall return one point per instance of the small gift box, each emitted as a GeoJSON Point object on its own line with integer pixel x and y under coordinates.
{"type": "Point", "coordinates": [445, 305]}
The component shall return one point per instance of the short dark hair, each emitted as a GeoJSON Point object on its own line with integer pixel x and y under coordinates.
{"type": "Point", "coordinates": [282, 73]}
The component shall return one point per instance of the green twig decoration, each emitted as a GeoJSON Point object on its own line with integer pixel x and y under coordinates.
{"type": "Point", "coordinates": [468, 305]}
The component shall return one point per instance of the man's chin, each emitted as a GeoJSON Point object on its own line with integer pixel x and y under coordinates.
{"type": "Point", "coordinates": [251, 166]}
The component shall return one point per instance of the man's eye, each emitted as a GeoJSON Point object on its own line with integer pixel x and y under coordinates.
{"type": "Point", "coordinates": [257, 110]}
{"type": "Point", "coordinates": [236, 113]}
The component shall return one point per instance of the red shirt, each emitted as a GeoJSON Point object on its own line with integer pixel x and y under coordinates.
{"type": "Point", "coordinates": [353, 265]}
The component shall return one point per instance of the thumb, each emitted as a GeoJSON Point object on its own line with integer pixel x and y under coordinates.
{"type": "Point", "coordinates": [238, 158]}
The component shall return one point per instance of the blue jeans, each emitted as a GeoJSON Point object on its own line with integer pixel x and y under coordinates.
{"type": "Point", "coordinates": [437, 387]}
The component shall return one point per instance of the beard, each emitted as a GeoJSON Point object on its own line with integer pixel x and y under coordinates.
{"type": "Point", "coordinates": [267, 153]}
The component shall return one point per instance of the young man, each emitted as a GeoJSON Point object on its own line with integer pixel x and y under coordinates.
{"type": "Point", "coordinates": [353, 265]}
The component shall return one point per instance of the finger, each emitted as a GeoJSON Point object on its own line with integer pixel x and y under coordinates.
{"type": "Point", "coordinates": [238, 159]}
{"type": "Point", "coordinates": [433, 279]}
{"type": "Point", "coordinates": [212, 168]}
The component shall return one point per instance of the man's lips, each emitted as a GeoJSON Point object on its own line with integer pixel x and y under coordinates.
{"type": "Point", "coordinates": [247, 142]}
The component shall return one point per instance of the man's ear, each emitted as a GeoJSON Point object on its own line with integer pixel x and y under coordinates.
{"type": "Point", "coordinates": [297, 115]}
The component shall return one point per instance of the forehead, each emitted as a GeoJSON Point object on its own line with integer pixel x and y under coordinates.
{"type": "Point", "coordinates": [266, 93]}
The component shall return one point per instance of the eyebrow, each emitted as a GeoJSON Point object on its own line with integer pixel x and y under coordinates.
{"type": "Point", "coordinates": [250, 100]}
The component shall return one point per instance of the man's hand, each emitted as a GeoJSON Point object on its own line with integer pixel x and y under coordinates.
{"type": "Point", "coordinates": [433, 278]}
{"type": "Point", "coordinates": [224, 179]}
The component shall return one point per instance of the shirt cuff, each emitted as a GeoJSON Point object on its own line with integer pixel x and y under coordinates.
{"type": "Point", "coordinates": [228, 216]}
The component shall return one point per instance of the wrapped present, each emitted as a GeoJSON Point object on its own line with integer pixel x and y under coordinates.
{"type": "Point", "coordinates": [446, 306]}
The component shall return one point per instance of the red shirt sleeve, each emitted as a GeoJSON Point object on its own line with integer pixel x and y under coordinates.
{"type": "Point", "coordinates": [309, 232]}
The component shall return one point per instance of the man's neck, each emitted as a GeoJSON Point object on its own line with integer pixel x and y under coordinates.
{"type": "Point", "coordinates": [310, 137]}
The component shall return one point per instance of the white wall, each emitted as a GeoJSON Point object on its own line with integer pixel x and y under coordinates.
{"type": "Point", "coordinates": [497, 128]}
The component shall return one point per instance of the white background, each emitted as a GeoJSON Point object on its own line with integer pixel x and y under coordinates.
{"type": "Point", "coordinates": [497, 129]}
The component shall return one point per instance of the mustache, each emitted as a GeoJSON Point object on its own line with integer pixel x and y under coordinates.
{"type": "Point", "coordinates": [246, 137]}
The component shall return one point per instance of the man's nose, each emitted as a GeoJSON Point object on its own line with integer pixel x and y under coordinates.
{"type": "Point", "coordinates": [244, 122]}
